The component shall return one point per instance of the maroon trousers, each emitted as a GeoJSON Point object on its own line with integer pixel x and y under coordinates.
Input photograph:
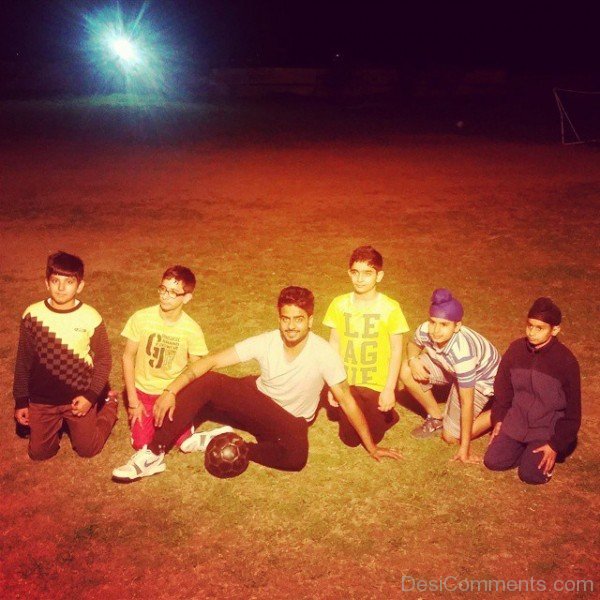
{"type": "Point", "coordinates": [281, 438]}
{"type": "Point", "coordinates": [88, 434]}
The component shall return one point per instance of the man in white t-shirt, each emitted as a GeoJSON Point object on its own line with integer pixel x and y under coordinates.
{"type": "Point", "coordinates": [276, 408]}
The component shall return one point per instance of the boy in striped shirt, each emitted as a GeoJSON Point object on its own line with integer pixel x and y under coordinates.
{"type": "Point", "coordinates": [443, 351]}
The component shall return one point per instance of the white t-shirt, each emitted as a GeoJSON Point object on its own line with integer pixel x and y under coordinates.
{"type": "Point", "coordinates": [294, 385]}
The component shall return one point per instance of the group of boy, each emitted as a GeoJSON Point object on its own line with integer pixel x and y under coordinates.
{"type": "Point", "coordinates": [530, 398]}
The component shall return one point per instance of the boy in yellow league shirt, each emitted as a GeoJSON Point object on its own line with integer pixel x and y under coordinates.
{"type": "Point", "coordinates": [366, 330]}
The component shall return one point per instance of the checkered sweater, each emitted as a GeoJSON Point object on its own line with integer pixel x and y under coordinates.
{"type": "Point", "coordinates": [61, 355]}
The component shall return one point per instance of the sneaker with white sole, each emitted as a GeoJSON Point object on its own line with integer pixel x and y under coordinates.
{"type": "Point", "coordinates": [142, 464]}
{"type": "Point", "coordinates": [197, 442]}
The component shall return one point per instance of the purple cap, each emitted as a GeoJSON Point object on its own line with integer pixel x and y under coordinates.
{"type": "Point", "coordinates": [445, 306]}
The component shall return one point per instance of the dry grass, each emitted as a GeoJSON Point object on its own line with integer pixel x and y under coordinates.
{"type": "Point", "coordinates": [498, 223]}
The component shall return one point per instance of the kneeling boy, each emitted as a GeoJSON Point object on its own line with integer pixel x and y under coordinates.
{"type": "Point", "coordinates": [537, 408]}
{"type": "Point", "coordinates": [56, 379]}
{"type": "Point", "coordinates": [366, 331]}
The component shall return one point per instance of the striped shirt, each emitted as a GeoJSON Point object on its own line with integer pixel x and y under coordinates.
{"type": "Point", "coordinates": [468, 356]}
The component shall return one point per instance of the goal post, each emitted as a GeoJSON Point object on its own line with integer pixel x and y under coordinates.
{"type": "Point", "coordinates": [579, 115]}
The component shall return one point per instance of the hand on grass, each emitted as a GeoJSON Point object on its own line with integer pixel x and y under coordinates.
{"type": "Point", "coordinates": [22, 415]}
{"type": "Point", "coordinates": [332, 401]}
{"type": "Point", "coordinates": [548, 458]}
{"type": "Point", "coordinates": [495, 432]}
{"type": "Point", "coordinates": [466, 458]}
{"type": "Point", "coordinates": [165, 405]}
{"type": "Point", "coordinates": [387, 400]}
{"type": "Point", "coordinates": [80, 406]}
{"type": "Point", "coordinates": [135, 413]}
{"type": "Point", "coordinates": [380, 453]}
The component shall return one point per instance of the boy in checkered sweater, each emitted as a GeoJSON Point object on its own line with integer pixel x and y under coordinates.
{"type": "Point", "coordinates": [62, 367]}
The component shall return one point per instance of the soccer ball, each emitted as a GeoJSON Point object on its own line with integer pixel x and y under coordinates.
{"type": "Point", "coordinates": [226, 456]}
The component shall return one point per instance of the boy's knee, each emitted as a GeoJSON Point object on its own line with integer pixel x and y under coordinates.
{"type": "Point", "coordinates": [529, 471]}
{"type": "Point", "coordinates": [533, 476]}
{"type": "Point", "coordinates": [405, 373]}
{"type": "Point", "coordinates": [495, 459]}
{"type": "Point", "coordinates": [349, 440]}
{"type": "Point", "coordinates": [41, 453]}
{"type": "Point", "coordinates": [495, 463]}
{"type": "Point", "coordinates": [347, 433]}
{"type": "Point", "coordinates": [449, 438]}
{"type": "Point", "coordinates": [87, 451]}
{"type": "Point", "coordinates": [296, 456]}
{"type": "Point", "coordinates": [298, 463]}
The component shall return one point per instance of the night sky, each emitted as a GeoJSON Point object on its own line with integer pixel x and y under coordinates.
{"type": "Point", "coordinates": [527, 35]}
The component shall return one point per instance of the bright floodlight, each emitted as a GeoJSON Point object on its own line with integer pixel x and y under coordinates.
{"type": "Point", "coordinates": [127, 51]}
{"type": "Point", "coordinates": [124, 49]}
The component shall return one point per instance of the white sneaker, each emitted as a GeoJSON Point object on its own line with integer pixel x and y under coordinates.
{"type": "Point", "coordinates": [142, 464]}
{"type": "Point", "coordinates": [197, 442]}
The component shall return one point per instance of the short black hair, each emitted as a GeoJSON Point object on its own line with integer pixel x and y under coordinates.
{"type": "Point", "coordinates": [63, 263]}
{"type": "Point", "coordinates": [297, 296]}
{"type": "Point", "coordinates": [183, 274]}
{"type": "Point", "coordinates": [366, 254]}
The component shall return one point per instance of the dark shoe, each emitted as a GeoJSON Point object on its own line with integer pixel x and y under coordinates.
{"type": "Point", "coordinates": [428, 429]}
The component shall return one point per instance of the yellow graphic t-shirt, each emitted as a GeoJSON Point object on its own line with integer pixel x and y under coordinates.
{"type": "Point", "coordinates": [164, 348]}
{"type": "Point", "coordinates": [364, 333]}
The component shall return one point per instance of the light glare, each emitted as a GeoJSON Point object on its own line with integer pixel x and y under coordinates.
{"type": "Point", "coordinates": [129, 52]}
{"type": "Point", "coordinates": [124, 49]}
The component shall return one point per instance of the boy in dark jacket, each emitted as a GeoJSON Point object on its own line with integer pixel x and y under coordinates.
{"type": "Point", "coordinates": [537, 409]}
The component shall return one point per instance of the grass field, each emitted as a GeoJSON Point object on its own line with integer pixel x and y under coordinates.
{"type": "Point", "coordinates": [254, 200]}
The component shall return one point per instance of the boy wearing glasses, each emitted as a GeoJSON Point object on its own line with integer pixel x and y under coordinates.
{"type": "Point", "coordinates": [161, 341]}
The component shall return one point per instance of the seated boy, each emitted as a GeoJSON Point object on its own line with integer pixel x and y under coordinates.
{"type": "Point", "coordinates": [444, 351]}
{"type": "Point", "coordinates": [62, 367]}
{"type": "Point", "coordinates": [366, 330]}
{"type": "Point", "coordinates": [537, 408]}
{"type": "Point", "coordinates": [161, 341]}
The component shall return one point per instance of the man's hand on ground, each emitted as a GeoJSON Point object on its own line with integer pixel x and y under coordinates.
{"type": "Point", "coordinates": [380, 453]}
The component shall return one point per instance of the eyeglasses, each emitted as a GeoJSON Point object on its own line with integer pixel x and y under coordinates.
{"type": "Point", "coordinates": [162, 290]}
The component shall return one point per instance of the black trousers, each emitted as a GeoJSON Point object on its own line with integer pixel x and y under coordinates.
{"type": "Point", "coordinates": [379, 422]}
{"type": "Point", "coordinates": [281, 438]}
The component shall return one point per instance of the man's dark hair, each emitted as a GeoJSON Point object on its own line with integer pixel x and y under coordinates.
{"type": "Point", "coordinates": [367, 254]}
{"type": "Point", "coordinates": [297, 296]}
{"type": "Point", "coordinates": [63, 263]}
{"type": "Point", "coordinates": [183, 274]}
